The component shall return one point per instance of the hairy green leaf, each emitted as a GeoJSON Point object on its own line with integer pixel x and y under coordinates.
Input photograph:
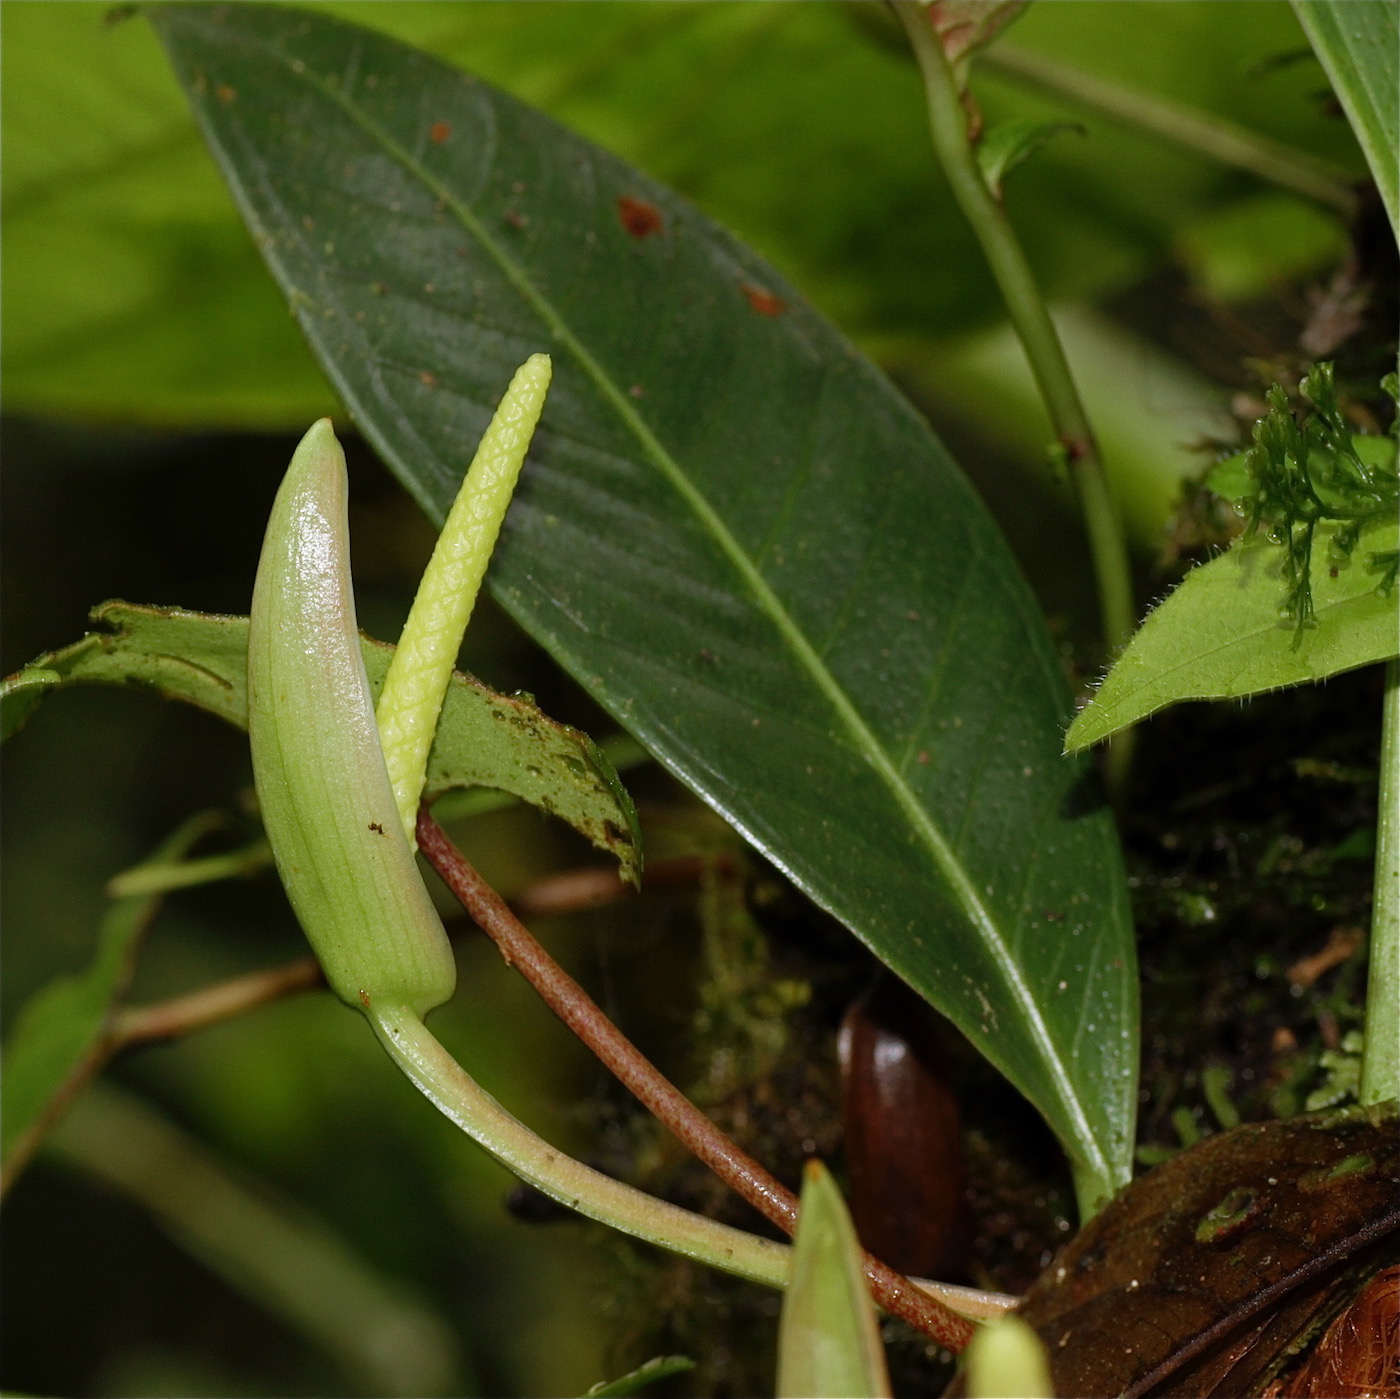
{"type": "Point", "coordinates": [1358, 44]}
{"type": "Point", "coordinates": [1011, 143]}
{"type": "Point", "coordinates": [483, 739]}
{"type": "Point", "coordinates": [828, 1337]}
{"type": "Point", "coordinates": [732, 530]}
{"type": "Point", "coordinates": [63, 1022]}
{"type": "Point", "coordinates": [1222, 634]}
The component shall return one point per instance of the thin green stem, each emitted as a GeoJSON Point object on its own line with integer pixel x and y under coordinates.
{"type": "Point", "coordinates": [160, 879]}
{"type": "Point", "coordinates": [1031, 319]}
{"type": "Point", "coordinates": [1205, 133]}
{"type": "Point", "coordinates": [1380, 1065]}
{"type": "Point", "coordinates": [458, 1097]}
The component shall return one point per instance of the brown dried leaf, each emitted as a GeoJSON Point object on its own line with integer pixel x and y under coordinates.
{"type": "Point", "coordinates": [1200, 1276]}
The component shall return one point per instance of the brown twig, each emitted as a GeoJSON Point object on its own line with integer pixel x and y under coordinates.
{"type": "Point", "coordinates": [168, 1020]}
{"type": "Point", "coordinates": [568, 1000]}
{"type": "Point", "coordinates": [165, 1020]}
{"type": "Point", "coordinates": [570, 892]}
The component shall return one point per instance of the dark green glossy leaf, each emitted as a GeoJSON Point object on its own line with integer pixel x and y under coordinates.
{"type": "Point", "coordinates": [732, 530]}
{"type": "Point", "coordinates": [1358, 43]}
{"type": "Point", "coordinates": [62, 1024]}
{"type": "Point", "coordinates": [483, 739]}
{"type": "Point", "coordinates": [1221, 634]}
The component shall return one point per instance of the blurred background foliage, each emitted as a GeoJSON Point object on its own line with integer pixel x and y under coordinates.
{"type": "Point", "coordinates": [153, 388]}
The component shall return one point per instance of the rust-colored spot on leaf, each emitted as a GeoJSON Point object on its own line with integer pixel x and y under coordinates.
{"type": "Point", "coordinates": [428, 378]}
{"type": "Point", "coordinates": [364, 998]}
{"type": "Point", "coordinates": [225, 93]}
{"type": "Point", "coordinates": [763, 301]}
{"type": "Point", "coordinates": [515, 218]}
{"type": "Point", "coordinates": [640, 218]}
{"type": "Point", "coordinates": [439, 132]}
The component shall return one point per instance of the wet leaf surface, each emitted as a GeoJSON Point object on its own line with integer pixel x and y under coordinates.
{"type": "Point", "coordinates": [1199, 1276]}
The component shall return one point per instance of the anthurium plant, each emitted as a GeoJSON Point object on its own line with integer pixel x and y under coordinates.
{"type": "Point", "coordinates": [779, 600]}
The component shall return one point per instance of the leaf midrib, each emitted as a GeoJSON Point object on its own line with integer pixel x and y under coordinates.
{"type": "Point", "coordinates": [801, 648]}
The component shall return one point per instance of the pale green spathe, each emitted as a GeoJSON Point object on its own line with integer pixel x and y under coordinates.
{"type": "Point", "coordinates": [325, 796]}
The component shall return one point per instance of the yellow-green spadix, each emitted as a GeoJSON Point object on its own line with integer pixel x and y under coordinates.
{"type": "Point", "coordinates": [325, 794]}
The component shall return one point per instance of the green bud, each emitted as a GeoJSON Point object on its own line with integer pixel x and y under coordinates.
{"type": "Point", "coordinates": [1007, 1360]}
{"type": "Point", "coordinates": [326, 799]}
{"type": "Point", "coordinates": [828, 1337]}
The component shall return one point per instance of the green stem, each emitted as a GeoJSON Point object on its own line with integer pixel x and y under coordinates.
{"type": "Point", "coordinates": [457, 1096]}
{"type": "Point", "coordinates": [159, 879]}
{"type": "Point", "coordinates": [1203, 132]}
{"type": "Point", "coordinates": [1380, 1065]}
{"type": "Point", "coordinates": [1031, 319]}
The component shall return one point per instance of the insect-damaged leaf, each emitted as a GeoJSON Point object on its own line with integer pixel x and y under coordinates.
{"type": "Point", "coordinates": [483, 739]}
{"type": "Point", "coordinates": [732, 530]}
{"type": "Point", "coordinates": [1199, 1277]}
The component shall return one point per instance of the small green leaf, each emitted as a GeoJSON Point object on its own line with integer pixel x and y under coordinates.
{"type": "Point", "coordinates": [1231, 479]}
{"type": "Point", "coordinates": [1010, 143]}
{"type": "Point", "coordinates": [828, 1339]}
{"type": "Point", "coordinates": [965, 26]}
{"type": "Point", "coordinates": [483, 740]}
{"type": "Point", "coordinates": [62, 1023]}
{"type": "Point", "coordinates": [1220, 635]}
{"type": "Point", "coordinates": [659, 1367]}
